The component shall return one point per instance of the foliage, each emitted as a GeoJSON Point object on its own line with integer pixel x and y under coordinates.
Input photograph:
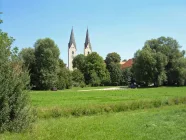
{"type": "Point", "coordinates": [15, 112]}
{"type": "Point", "coordinates": [106, 79]}
{"type": "Point", "coordinates": [127, 76]}
{"type": "Point", "coordinates": [160, 62]}
{"type": "Point", "coordinates": [27, 55]}
{"type": "Point", "coordinates": [64, 77]}
{"type": "Point", "coordinates": [112, 63]}
{"type": "Point", "coordinates": [94, 79]}
{"type": "Point", "coordinates": [78, 78]}
{"type": "Point", "coordinates": [95, 68]}
{"type": "Point", "coordinates": [115, 73]}
{"type": "Point", "coordinates": [47, 56]}
{"type": "Point", "coordinates": [79, 62]}
{"type": "Point", "coordinates": [112, 58]}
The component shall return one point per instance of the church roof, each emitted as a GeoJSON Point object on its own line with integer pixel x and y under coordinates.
{"type": "Point", "coordinates": [72, 39]}
{"type": "Point", "coordinates": [127, 64]}
{"type": "Point", "coordinates": [87, 40]}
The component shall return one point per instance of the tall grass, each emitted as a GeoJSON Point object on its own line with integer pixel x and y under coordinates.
{"type": "Point", "coordinates": [54, 112]}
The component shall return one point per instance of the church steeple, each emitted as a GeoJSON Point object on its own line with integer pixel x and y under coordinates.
{"type": "Point", "coordinates": [71, 50]}
{"type": "Point", "coordinates": [87, 47]}
{"type": "Point", "coordinates": [87, 40]}
{"type": "Point", "coordinates": [72, 39]}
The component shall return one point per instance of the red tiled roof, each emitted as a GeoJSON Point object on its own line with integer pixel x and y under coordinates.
{"type": "Point", "coordinates": [127, 64]}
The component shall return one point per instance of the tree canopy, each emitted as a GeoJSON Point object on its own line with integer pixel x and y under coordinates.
{"type": "Point", "coordinates": [160, 62]}
{"type": "Point", "coordinates": [112, 63]}
{"type": "Point", "coordinates": [47, 56]}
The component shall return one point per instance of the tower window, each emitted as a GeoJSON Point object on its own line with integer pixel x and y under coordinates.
{"type": "Point", "coordinates": [72, 54]}
{"type": "Point", "coordinates": [88, 52]}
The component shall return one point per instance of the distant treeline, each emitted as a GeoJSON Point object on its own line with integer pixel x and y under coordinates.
{"type": "Point", "coordinates": [159, 62]}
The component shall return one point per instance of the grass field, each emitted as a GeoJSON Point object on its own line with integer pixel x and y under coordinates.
{"type": "Point", "coordinates": [165, 123]}
{"type": "Point", "coordinates": [74, 98]}
{"type": "Point", "coordinates": [78, 103]}
{"type": "Point", "coordinates": [139, 114]}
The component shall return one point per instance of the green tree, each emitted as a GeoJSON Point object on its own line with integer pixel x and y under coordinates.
{"type": "Point", "coordinates": [112, 58]}
{"type": "Point", "coordinates": [115, 73]}
{"type": "Point", "coordinates": [106, 79]}
{"type": "Point", "coordinates": [94, 63]}
{"type": "Point", "coordinates": [79, 62]}
{"type": "Point", "coordinates": [27, 55]}
{"type": "Point", "coordinates": [171, 49]}
{"type": "Point", "coordinates": [126, 76]}
{"type": "Point", "coordinates": [64, 76]}
{"type": "Point", "coordinates": [78, 78]}
{"type": "Point", "coordinates": [47, 64]}
{"type": "Point", "coordinates": [15, 112]}
{"type": "Point", "coordinates": [144, 66]}
{"type": "Point", "coordinates": [94, 79]}
{"type": "Point", "coordinates": [112, 64]}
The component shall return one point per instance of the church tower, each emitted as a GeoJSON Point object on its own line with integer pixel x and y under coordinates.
{"type": "Point", "coordinates": [71, 50]}
{"type": "Point", "coordinates": [87, 45]}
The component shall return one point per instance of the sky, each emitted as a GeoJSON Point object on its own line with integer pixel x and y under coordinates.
{"type": "Point", "coordinates": [120, 26]}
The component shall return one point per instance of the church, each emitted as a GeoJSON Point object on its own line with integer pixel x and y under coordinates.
{"type": "Point", "coordinates": [72, 48]}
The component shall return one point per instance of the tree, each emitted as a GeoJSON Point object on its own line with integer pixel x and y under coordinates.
{"type": "Point", "coordinates": [79, 62]}
{"type": "Point", "coordinates": [27, 55]}
{"type": "Point", "coordinates": [78, 78]}
{"type": "Point", "coordinates": [94, 79]}
{"type": "Point", "coordinates": [126, 76]}
{"type": "Point", "coordinates": [112, 62]}
{"type": "Point", "coordinates": [15, 112]}
{"type": "Point", "coordinates": [171, 49]}
{"type": "Point", "coordinates": [106, 79]}
{"type": "Point", "coordinates": [115, 73]}
{"type": "Point", "coordinates": [112, 58]}
{"type": "Point", "coordinates": [94, 63]}
{"type": "Point", "coordinates": [160, 62]}
{"type": "Point", "coordinates": [144, 66]}
{"type": "Point", "coordinates": [64, 76]}
{"type": "Point", "coordinates": [47, 56]}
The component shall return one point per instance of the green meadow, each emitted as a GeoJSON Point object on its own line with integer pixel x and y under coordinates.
{"type": "Point", "coordinates": [132, 114]}
{"type": "Point", "coordinates": [76, 97]}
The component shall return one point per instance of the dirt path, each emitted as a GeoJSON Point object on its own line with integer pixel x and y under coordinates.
{"type": "Point", "coordinates": [114, 88]}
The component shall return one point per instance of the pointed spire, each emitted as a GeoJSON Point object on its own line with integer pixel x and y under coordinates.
{"type": "Point", "coordinates": [72, 38]}
{"type": "Point", "coordinates": [87, 39]}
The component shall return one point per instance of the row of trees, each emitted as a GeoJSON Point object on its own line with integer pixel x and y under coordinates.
{"type": "Point", "coordinates": [47, 70]}
{"type": "Point", "coordinates": [97, 71]}
{"type": "Point", "coordinates": [160, 62]}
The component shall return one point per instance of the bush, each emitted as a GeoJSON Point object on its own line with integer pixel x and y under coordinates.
{"type": "Point", "coordinates": [15, 111]}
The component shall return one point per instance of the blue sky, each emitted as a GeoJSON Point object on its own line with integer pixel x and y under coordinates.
{"type": "Point", "coordinates": [120, 26]}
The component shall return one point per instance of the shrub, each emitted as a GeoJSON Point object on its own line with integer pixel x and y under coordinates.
{"type": "Point", "coordinates": [15, 111]}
